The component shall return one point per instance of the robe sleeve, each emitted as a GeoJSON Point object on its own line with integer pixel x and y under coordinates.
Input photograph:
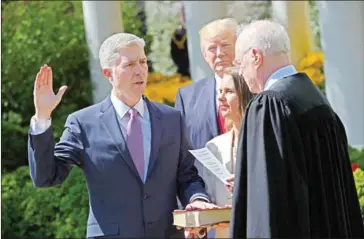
{"type": "Point", "coordinates": [270, 195]}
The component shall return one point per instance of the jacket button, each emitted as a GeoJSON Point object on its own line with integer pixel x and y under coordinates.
{"type": "Point", "coordinates": [145, 197]}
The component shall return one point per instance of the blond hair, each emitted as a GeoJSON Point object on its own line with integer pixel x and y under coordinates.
{"type": "Point", "coordinates": [218, 27]}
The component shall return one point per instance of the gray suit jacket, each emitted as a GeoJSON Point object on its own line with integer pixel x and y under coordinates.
{"type": "Point", "coordinates": [120, 204]}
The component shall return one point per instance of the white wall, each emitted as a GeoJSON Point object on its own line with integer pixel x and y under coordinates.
{"type": "Point", "coordinates": [199, 13]}
{"type": "Point", "coordinates": [342, 39]}
{"type": "Point", "coordinates": [102, 19]}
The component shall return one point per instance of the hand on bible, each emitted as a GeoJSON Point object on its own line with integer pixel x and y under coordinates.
{"type": "Point", "coordinates": [45, 101]}
{"type": "Point", "coordinates": [198, 232]}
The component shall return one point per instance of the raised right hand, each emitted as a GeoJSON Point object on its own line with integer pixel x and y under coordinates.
{"type": "Point", "coordinates": [45, 101]}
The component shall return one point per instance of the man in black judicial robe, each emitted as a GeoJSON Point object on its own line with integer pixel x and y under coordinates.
{"type": "Point", "coordinates": [293, 175]}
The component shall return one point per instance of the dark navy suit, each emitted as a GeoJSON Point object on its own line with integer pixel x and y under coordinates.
{"type": "Point", "coordinates": [197, 103]}
{"type": "Point", "coordinates": [121, 205]}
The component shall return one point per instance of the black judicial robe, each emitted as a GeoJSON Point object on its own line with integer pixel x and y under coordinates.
{"type": "Point", "coordinates": [293, 176]}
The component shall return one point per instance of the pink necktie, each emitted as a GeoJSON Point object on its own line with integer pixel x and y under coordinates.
{"type": "Point", "coordinates": [135, 141]}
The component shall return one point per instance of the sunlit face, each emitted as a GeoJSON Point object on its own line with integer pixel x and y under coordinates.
{"type": "Point", "coordinates": [129, 75]}
{"type": "Point", "coordinates": [219, 51]}
{"type": "Point", "coordinates": [228, 98]}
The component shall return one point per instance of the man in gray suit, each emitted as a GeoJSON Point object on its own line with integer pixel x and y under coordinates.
{"type": "Point", "coordinates": [133, 152]}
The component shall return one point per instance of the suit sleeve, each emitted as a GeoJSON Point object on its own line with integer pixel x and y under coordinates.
{"type": "Point", "coordinates": [190, 185]}
{"type": "Point", "coordinates": [50, 163]}
{"type": "Point", "coordinates": [270, 197]}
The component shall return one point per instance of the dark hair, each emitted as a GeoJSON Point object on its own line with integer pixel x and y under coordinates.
{"type": "Point", "coordinates": [242, 89]}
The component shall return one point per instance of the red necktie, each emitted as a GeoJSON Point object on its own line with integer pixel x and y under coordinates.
{"type": "Point", "coordinates": [221, 121]}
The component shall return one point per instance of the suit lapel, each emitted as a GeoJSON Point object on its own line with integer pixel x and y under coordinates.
{"type": "Point", "coordinates": [111, 124]}
{"type": "Point", "coordinates": [209, 94]}
{"type": "Point", "coordinates": [156, 127]}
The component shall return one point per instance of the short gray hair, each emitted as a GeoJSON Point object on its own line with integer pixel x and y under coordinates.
{"type": "Point", "coordinates": [266, 35]}
{"type": "Point", "coordinates": [109, 50]}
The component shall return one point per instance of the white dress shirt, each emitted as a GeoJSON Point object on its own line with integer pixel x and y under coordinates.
{"type": "Point", "coordinates": [279, 74]}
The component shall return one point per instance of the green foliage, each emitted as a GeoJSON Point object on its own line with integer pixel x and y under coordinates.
{"type": "Point", "coordinates": [315, 25]}
{"type": "Point", "coordinates": [33, 34]}
{"type": "Point", "coordinates": [357, 156]}
{"type": "Point", "coordinates": [58, 212]}
{"type": "Point", "coordinates": [133, 23]}
{"type": "Point", "coordinates": [322, 87]}
{"type": "Point", "coordinates": [359, 184]}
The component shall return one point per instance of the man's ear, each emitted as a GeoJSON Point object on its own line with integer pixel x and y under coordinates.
{"type": "Point", "coordinates": [257, 58]}
{"type": "Point", "coordinates": [107, 73]}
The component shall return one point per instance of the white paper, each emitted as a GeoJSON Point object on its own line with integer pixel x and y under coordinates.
{"type": "Point", "coordinates": [208, 160]}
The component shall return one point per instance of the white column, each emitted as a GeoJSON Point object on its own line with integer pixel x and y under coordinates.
{"type": "Point", "coordinates": [342, 39]}
{"type": "Point", "coordinates": [102, 19]}
{"type": "Point", "coordinates": [199, 13]}
{"type": "Point", "coordinates": [295, 17]}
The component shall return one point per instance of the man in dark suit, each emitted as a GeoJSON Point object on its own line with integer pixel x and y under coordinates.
{"type": "Point", "coordinates": [133, 152]}
{"type": "Point", "coordinates": [198, 101]}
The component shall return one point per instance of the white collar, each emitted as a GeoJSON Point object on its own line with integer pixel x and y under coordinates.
{"type": "Point", "coordinates": [218, 80]}
{"type": "Point", "coordinates": [121, 108]}
{"type": "Point", "coordinates": [279, 74]}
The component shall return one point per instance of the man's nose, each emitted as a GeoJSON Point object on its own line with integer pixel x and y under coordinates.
{"type": "Point", "coordinates": [219, 52]}
{"type": "Point", "coordinates": [137, 69]}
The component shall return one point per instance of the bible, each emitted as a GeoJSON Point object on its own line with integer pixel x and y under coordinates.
{"type": "Point", "coordinates": [199, 218]}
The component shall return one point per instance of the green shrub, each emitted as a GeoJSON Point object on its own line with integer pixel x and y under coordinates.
{"type": "Point", "coordinates": [58, 212]}
{"type": "Point", "coordinates": [37, 33]}
{"type": "Point", "coordinates": [357, 156]}
{"type": "Point", "coordinates": [33, 34]}
{"type": "Point", "coordinates": [133, 23]}
{"type": "Point", "coordinates": [315, 24]}
{"type": "Point", "coordinates": [359, 184]}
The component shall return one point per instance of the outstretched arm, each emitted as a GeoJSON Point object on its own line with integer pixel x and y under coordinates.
{"type": "Point", "coordinates": [50, 164]}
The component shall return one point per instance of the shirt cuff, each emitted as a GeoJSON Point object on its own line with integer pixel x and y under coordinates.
{"type": "Point", "coordinates": [200, 196]}
{"type": "Point", "coordinates": [39, 126]}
